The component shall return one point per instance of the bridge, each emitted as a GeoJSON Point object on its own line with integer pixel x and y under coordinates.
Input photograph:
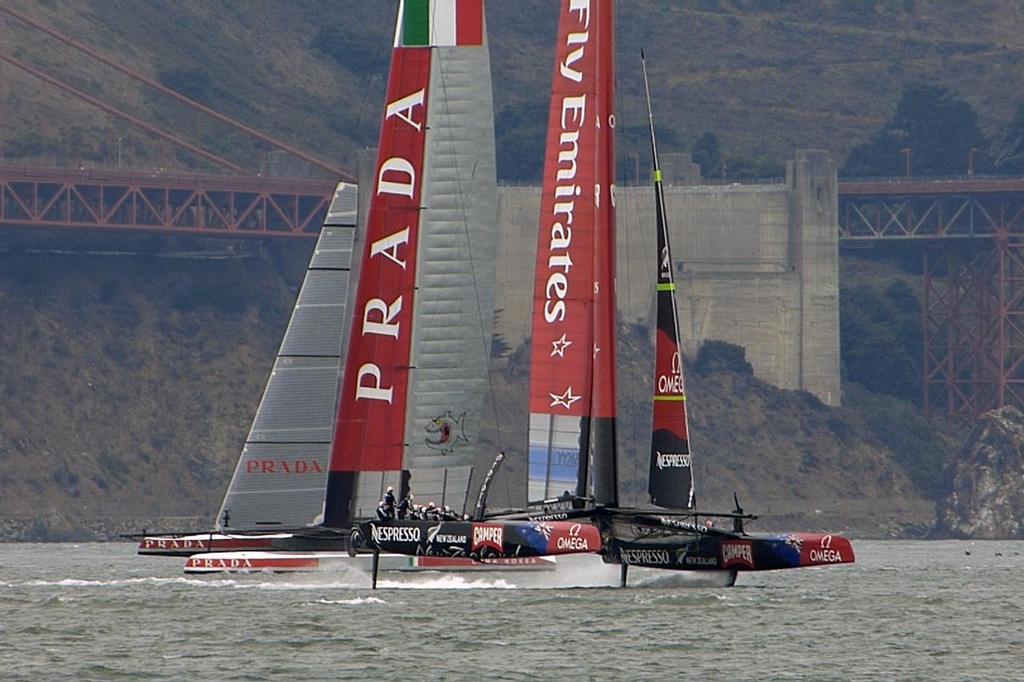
{"type": "Point", "coordinates": [971, 230]}
{"type": "Point", "coordinates": [198, 205]}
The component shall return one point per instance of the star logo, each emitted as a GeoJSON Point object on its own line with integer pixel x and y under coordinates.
{"type": "Point", "coordinates": [559, 347]}
{"type": "Point", "coordinates": [565, 400]}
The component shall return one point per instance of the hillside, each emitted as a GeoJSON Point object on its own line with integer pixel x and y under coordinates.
{"type": "Point", "coordinates": [128, 382]}
{"type": "Point", "coordinates": [766, 77]}
{"type": "Point", "coordinates": [132, 368]}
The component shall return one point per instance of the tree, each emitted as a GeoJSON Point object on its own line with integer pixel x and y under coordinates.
{"type": "Point", "coordinates": [933, 126]}
{"type": "Point", "coordinates": [707, 153]}
{"type": "Point", "coordinates": [1008, 149]}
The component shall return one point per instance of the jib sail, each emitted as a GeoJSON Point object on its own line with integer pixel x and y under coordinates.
{"type": "Point", "coordinates": [671, 474]}
{"type": "Point", "coordinates": [281, 475]}
{"type": "Point", "coordinates": [415, 375]}
{"type": "Point", "coordinates": [572, 381]}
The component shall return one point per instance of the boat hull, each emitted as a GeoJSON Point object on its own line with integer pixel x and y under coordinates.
{"type": "Point", "coordinates": [723, 551]}
{"type": "Point", "coordinates": [306, 562]}
{"type": "Point", "coordinates": [479, 540]}
{"type": "Point", "coordinates": [187, 545]}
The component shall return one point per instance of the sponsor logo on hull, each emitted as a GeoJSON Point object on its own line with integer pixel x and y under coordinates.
{"type": "Point", "coordinates": [645, 557]}
{"type": "Point", "coordinates": [171, 543]}
{"type": "Point", "coordinates": [825, 549]}
{"type": "Point", "coordinates": [381, 534]}
{"type": "Point", "coordinates": [737, 554]}
{"type": "Point", "coordinates": [488, 536]}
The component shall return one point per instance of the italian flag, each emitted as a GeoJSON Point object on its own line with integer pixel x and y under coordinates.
{"type": "Point", "coordinates": [440, 22]}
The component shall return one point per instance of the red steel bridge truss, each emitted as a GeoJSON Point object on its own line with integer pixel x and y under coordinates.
{"type": "Point", "coordinates": [197, 205]}
{"type": "Point", "coordinates": [973, 264]}
{"type": "Point", "coordinates": [973, 313]}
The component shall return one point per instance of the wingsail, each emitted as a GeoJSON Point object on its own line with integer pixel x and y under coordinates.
{"type": "Point", "coordinates": [572, 379]}
{"type": "Point", "coordinates": [670, 481]}
{"type": "Point", "coordinates": [414, 378]}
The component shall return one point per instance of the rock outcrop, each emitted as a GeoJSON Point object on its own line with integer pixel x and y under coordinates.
{"type": "Point", "coordinates": [985, 498]}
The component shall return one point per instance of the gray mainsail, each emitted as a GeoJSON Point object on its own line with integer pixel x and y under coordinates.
{"type": "Point", "coordinates": [281, 475]}
{"type": "Point", "coordinates": [455, 279]}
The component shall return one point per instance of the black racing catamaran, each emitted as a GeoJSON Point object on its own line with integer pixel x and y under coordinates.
{"type": "Point", "coordinates": [572, 434]}
{"type": "Point", "coordinates": [673, 534]}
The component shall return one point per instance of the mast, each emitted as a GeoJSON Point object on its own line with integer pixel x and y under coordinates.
{"type": "Point", "coordinates": [670, 482]}
{"type": "Point", "coordinates": [572, 380]}
{"type": "Point", "coordinates": [415, 374]}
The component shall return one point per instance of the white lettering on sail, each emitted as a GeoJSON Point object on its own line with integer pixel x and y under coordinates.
{"type": "Point", "coordinates": [388, 246]}
{"type": "Point", "coordinates": [582, 9]}
{"type": "Point", "coordinates": [404, 184]}
{"type": "Point", "coordinates": [402, 108]}
{"type": "Point", "coordinates": [672, 460]}
{"type": "Point", "coordinates": [383, 327]}
{"type": "Point", "coordinates": [557, 287]}
{"type": "Point", "coordinates": [568, 155]}
{"type": "Point", "coordinates": [374, 391]}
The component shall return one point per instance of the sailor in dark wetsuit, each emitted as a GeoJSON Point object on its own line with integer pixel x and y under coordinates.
{"type": "Point", "coordinates": [406, 508]}
{"type": "Point", "coordinates": [383, 514]}
{"type": "Point", "coordinates": [389, 500]}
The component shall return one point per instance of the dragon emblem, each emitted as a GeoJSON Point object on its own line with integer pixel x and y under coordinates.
{"type": "Point", "coordinates": [445, 432]}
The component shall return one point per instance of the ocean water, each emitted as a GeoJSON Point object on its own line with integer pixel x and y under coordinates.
{"type": "Point", "coordinates": [906, 610]}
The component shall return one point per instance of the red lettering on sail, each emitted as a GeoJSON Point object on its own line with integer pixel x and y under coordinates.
{"type": "Point", "coordinates": [283, 466]}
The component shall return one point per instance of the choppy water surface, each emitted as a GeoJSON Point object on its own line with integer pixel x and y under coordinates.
{"type": "Point", "coordinates": [906, 610]}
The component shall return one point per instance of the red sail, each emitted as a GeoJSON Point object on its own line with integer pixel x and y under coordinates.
{"type": "Point", "coordinates": [563, 320]}
{"type": "Point", "coordinates": [572, 382]}
{"type": "Point", "coordinates": [574, 303]}
{"type": "Point", "coordinates": [369, 434]}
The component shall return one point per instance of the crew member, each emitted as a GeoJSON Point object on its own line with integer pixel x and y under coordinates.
{"type": "Point", "coordinates": [405, 507]}
{"type": "Point", "coordinates": [389, 499]}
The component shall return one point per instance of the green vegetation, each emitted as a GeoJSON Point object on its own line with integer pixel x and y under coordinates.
{"type": "Point", "coordinates": [721, 356]}
{"type": "Point", "coordinates": [766, 77]}
{"type": "Point", "coordinates": [932, 129]}
{"type": "Point", "coordinates": [882, 339]}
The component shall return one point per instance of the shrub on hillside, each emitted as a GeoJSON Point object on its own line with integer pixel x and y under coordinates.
{"type": "Point", "coordinates": [721, 356]}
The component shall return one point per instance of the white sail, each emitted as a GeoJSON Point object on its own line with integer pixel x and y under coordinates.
{"type": "Point", "coordinates": [280, 478]}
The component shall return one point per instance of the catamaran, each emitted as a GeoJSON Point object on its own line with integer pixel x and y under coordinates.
{"type": "Point", "coordinates": [393, 399]}
{"type": "Point", "coordinates": [415, 354]}
{"type": "Point", "coordinates": [572, 422]}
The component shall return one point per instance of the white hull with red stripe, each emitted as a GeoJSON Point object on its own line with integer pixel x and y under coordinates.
{"type": "Point", "coordinates": [304, 562]}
